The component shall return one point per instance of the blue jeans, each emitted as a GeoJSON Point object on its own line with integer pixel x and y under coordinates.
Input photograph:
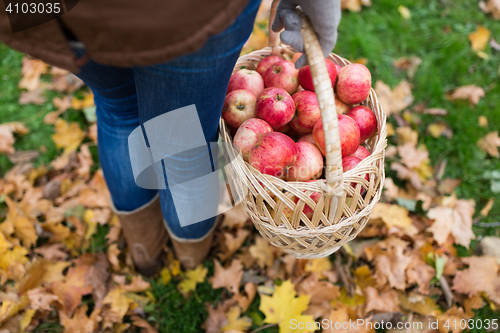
{"type": "Point", "coordinates": [125, 98]}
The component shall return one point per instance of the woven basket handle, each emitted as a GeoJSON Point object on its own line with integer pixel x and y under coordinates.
{"type": "Point", "coordinates": [324, 93]}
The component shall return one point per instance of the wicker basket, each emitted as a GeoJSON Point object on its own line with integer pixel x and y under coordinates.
{"type": "Point", "coordinates": [343, 210]}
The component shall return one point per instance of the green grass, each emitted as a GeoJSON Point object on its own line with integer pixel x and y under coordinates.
{"type": "Point", "coordinates": [381, 35]}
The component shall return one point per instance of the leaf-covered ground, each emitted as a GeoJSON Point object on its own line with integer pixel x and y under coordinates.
{"type": "Point", "coordinates": [429, 255]}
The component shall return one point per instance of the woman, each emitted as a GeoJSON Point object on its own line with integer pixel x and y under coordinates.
{"type": "Point", "coordinates": [142, 60]}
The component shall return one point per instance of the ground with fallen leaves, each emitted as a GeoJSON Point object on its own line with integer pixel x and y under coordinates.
{"type": "Point", "coordinates": [429, 254]}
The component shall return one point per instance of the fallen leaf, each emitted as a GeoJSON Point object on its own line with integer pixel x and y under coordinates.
{"type": "Point", "coordinates": [473, 303]}
{"type": "Point", "coordinates": [407, 135]}
{"type": "Point", "coordinates": [491, 7]}
{"type": "Point", "coordinates": [490, 245]}
{"type": "Point", "coordinates": [451, 319]}
{"type": "Point", "coordinates": [119, 302]}
{"type": "Point", "coordinates": [391, 190]}
{"type": "Point", "coordinates": [404, 11]}
{"type": "Point", "coordinates": [321, 293]}
{"type": "Point", "coordinates": [231, 244]}
{"type": "Point", "coordinates": [216, 319]}
{"type": "Point", "coordinates": [72, 288]}
{"type": "Point", "coordinates": [408, 64]}
{"type": "Point", "coordinates": [453, 219]}
{"type": "Point", "coordinates": [391, 263]}
{"type": "Point", "coordinates": [482, 121]}
{"type": "Point", "coordinates": [420, 273]}
{"type": "Point", "coordinates": [471, 92]}
{"type": "Point", "coordinates": [67, 136]}
{"type": "Point", "coordinates": [262, 252]}
{"type": "Point", "coordinates": [382, 302]}
{"type": "Point", "coordinates": [32, 97]}
{"type": "Point", "coordinates": [393, 216]}
{"type": "Point", "coordinates": [31, 71]}
{"type": "Point", "coordinates": [79, 104]}
{"type": "Point", "coordinates": [481, 276]}
{"type": "Point", "coordinates": [438, 129]}
{"type": "Point", "coordinates": [354, 5]}
{"type": "Point", "coordinates": [420, 304]}
{"type": "Point", "coordinates": [394, 101]}
{"type": "Point", "coordinates": [143, 323]}
{"type": "Point", "coordinates": [7, 139]}
{"type": "Point", "coordinates": [486, 209]}
{"type": "Point", "coordinates": [490, 144]}
{"type": "Point", "coordinates": [137, 285]}
{"type": "Point", "coordinates": [318, 266]}
{"type": "Point", "coordinates": [448, 185]}
{"type": "Point", "coordinates": [411, 156]}
{"type": "Point", "coordinates": [229, 278]}
{"type": "Point", "coordinates": [283, 306]}
{"type": "Point", "coordinates": [236, 217]}
{"type": "Point", "coordinates": [62, 104]}
{"type": "Point", "coordinates": [113, 253]}
{"type": "Point", "coordinates": [341, 315]}
{"type": "Point", "coordinates": [193, 277]}
{"type": "Point", "coordinates": [41, 299]}
{"type": "Point", "coordinates": [245, 301]}
{"type": "Point", "coordinates": [479, 38]}
{"type": "Point", "coordinates": [235, 322]}
{"type": "Point", "coordinates": [407, 174]}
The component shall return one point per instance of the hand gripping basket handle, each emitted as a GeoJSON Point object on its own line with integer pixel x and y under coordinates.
{"type": "Point", "coordinates": [326, 99]}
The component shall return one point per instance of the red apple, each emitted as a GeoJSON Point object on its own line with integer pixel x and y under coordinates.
{"type": "Point", "coordinates": [246, 79]}
{"type": "Point", "coordinates": [307, 138]}
{"type": "Point", "coordinates": [348, 131]}
{"type": "Point", "coordinates": [309, 163]}
{"type": "Point", "coordinates": [282, 74]}
{"type": "Point", "coordinates": [307, 112]}
{"type": "Point", "coordinates": [275, 106]}
{"type": "Point", "coordinates": [265, 63]}
{"type": "Point", "coordinates": [239, 106]}
{"type": "Point", "coordinates": [361, 153]}
{"type": "Point", "coordinates": [354, 83]}
{"type": "Point", "coordinates": [248, 134]}
{"type": "Point", "coordinates": [284, 129]}
{"type": "Point", "coordinates": [305, 78]}
{"type": "Point", "coordinates": [341, 107]}
{"type": "Point", "coordinates": [307, 209]}
{"type": "Point", "coordinates": [350, 162]}
{"type": "Point", "coordinates": [366, 121]}
{"type": "Point", "coordinates": [273, 154]}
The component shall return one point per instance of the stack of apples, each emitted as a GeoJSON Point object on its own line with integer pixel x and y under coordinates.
{"type": "Point", "coordinates": [275, 117]}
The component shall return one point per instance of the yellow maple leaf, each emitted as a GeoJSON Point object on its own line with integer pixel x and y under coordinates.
{"type": "Point", "coordinates": [79, 104]}
{"type": "Point", "coordinates": [175, 267]}
{"type": "Point", "coordinates": [234, 322]}
{"type": "Point", "coordinates": [88, 217]}
{"type": "Point", "coordinates": [12, 262]}
{"type": "Point", "coordinates": [23, 227]}
{"type": "Point", "coordinates": [479, 38]}
{"type": "Point", "coordinates": [284, 309]}
{"type": "Point", "coordinates": [318, 266]}
{"type": "Point", "coordinates": [119, 301]}
{"type": "Point", "coordinates": [165, 275]}
{"type": "Point", "coordinates": [192, 278]}
{"type": "Point", "coordinates": [67, 136]}
{"type": "Point", "coordinates": [393, 216]}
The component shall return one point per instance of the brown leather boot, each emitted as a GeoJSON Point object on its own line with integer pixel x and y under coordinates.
{"type": "Point", "coordinates": [192, 252]}
{"type": "Point", "coordinates": [145, 234]}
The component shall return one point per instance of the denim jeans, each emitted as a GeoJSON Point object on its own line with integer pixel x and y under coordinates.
{"type": "Point", "coordinates": [125, 98]}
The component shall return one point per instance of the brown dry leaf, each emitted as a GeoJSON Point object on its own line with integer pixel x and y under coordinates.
{"type": "Point", "coordinates": [448, 185]}
{"type": "Point", "coordinates": [407, 174]}
{"type": "Point", "coordinates": [486, 209]}
{"type": "Point", "coordinates": [321, 292]}
{"type": "Point", "coordinates": [481, 276]}
{"type": "Point", "coordinates": [92, 132]}
{"type": "Point", "coordinates": [52, 251]}
{"type": "Point", "coordinates": [67, 136]}
{"type": "Point", "coordinates": [382, 302]}
{"type": "Point", "coordinates": [236, 217]}
{"type": "Point", "coordinates": [391, 263]}
{"type": "Point", "coordinates": [62, 104]}
{"type": "Point", "coordinates": [473, 303]}
{"type": "Point", "coordinates": [394, 101]}
{"type": "Point", "coordinates": [71, 290]}
{"type": "Point", "coordinates": [408, 64]}
{"type": "Point", "coordinates": [231, 244]}
{"type": "Point", "coordinates": [24, 229]}
{"type": "Point", "coordinates": [245, 301]}
{"type": "Point", "coordinates": [341, 315]}
{"type": "Point", "coordinates": [454, 218]}
{"type": "Point", "coordinates": [229, 278]}
{"type": "Point", "coordinates": [479, 38]}
{"type": "Point", "coordinates": [262, 252]}
{"type": "Point", "coordinates": [79, 323]}
{"type": "Point", "coordinates": [32, 97]}
{"type": "Point", "coordinates": [113, 253]}
{"type": "Point", "coordinates": [97, 277]}
{"type": "Point", "coordinates": [451, 319]}
{"type": "Point", "coordinates": [490, 144]}
{"type": "Point", "coordinates": [41, 299]}
{"type": "Point", "coordinates": [411, 156]}
{"type": "Point", "coordinates": [420, 304]}
{"type": "Point", "coordinates": [491, 7]}
{"type": "Point", "coordinates": [119, 303]}
{"type": "Point", "coordinates": [143, 323]}
{"type": "Point", "coordinates": [420, 273]}
{"type": "Point", "coordinates": [406, 135]}
{"type": "Point", "coordinates": [31, 71]}
{"type": "Point", "coordinates": [7, 139]}
{"type": "Point", "coordinates": [216, 319]}
{"type": "Point", "coordinates": [471, 92]}
{"type": "Point", "coordinates": [391, 190]}
{"type": "Point", "coordinates": [137, 285]}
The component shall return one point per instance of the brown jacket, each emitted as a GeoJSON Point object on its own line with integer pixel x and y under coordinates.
{"type": "Point", "coordinates": [125, 33]}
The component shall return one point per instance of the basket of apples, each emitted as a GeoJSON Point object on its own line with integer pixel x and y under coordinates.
{"type": "Point", "coordinates": [307, 163]}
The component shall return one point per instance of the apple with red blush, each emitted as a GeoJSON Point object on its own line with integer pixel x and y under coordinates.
{"type": "Point", "coordinates": [239, 105]}
{"type": "Point", "coordinates": [265, 63]}
{"type": "Point", "coordinates": [307, 210]}
{"type": "Point", "coordinates": [341, 107]}
{"type": "Point", "coordinates": [307, 138]}
{"type": "Point", "coordinates": [246, 79]}
{"type": "Point", "coordinates": [273, 154]}
{"type": "Point", "coordinates": [354, 83]}
{"type": "Point", "coordinates": [349, 163]}
{"type": "Point", "coordinates": [307, 112]}
{"type": "Point", "coordinates": [348, 131]}
{"type": "Point", "coordinates": [305, 77]}
{"type": "Point", "coordinates": [308, 165]}
{"type": "Point", "coordinates": [361, 153]}
{"type": "Point", "coordinates": [275, 106]}
{"type": "Point", "coordinates": [282, 74]}
{"type": "Point", "coordinates": [366, 120]}
{"type": "Point", "coordinates": [248, 134]}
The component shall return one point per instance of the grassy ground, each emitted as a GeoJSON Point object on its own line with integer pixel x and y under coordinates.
{"type": "Point", "coordinates": [436, 32]}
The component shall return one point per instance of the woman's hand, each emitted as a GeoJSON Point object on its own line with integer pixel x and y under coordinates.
{"type": "Point", "coordinates": [324, 16]}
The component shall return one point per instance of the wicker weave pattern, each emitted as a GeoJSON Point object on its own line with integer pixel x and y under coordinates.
{"type": "Point", "coordinates": [342, 211]}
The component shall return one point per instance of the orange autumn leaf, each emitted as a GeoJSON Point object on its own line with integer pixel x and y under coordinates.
{"type": "Point", "coordinates": [229, 277]}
